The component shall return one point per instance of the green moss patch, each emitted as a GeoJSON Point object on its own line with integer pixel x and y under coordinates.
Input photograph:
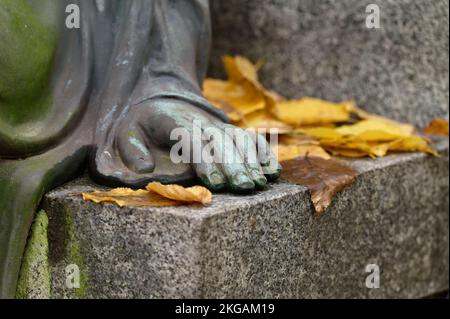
{"type": "Point", "coordinates": [35, 279]}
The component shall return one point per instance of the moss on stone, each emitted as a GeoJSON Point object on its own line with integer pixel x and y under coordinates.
{"type": "Point", "coordinates": [74, 255]}
{"type": "Point", "coordinates": [35, 278]}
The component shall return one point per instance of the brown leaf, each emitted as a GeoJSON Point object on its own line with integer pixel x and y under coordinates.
{"type": "Point", "coordinates": [324, 178]}
{"type": "Point", "coordinates": [196, 194]}
{"type": "Point", "coordinates": [437, 127]}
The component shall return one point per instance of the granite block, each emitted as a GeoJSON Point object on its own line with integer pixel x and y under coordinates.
{"type": "Point", "coordinates": [265, 245]}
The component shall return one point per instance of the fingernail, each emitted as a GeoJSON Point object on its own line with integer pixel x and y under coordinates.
{"type": "Point", "coordinates": [214, 182]}
{"type": "Point", "coordinates": [258, 178]}
{"type": "Point", "coordinates": [215, 179]}
{"type": "Point", "coordinates": [272, 169]}
{"type": "Point", "coordinates": [142, 167]}
{"type": "Point", "coordinates": [243, 182]}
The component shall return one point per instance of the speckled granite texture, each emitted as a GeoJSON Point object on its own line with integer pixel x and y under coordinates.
{"type": "Point", "coordinates": [322, 48]}
{"type": "Point", "coordinates": [267, 244]}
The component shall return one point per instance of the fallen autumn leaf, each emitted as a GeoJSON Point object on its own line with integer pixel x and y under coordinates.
{"type": "Point", "coordinates": [196, 194]}
{"type": "Point", "coordinates": [156, 195]}
{"type": "Point", "coordinates": [323, 178]}
{"type": "Point", "coordinates": [437, 127]}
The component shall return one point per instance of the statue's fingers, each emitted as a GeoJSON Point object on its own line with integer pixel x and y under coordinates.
{"type": "Point", "coordinates": [267, 158]}
{"type": "Point", "coordinates": [133, 150]}
{"type": "Point", "coordinates": [227, 157]}
{"type": "Point", "coordinates": [210, 175]}
{"type": "Point", "coordinates": [103, 161]}
{"type": "Point", "coordinates": [107, 167]}
{"type": "Point", "coordinates": [247, 149]}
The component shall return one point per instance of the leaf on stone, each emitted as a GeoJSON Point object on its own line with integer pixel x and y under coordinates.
{"type": "Point", "coordinates": [240, 69]}
{"type": "Point", "coordinates": [321, 132]}
{"type": "Point", "coordinates": [374, 130]}
{"type": "Point", "coordinates": [353, 144]}
{"type": "Point", "coordinates": [412, 144]}
{"type": "Point", "coordinates": [196, 194]}
{"type": "Point", "coordinates": [245, 100]}
{"type": "Point", "coordinates": [237, 100]}
{"type": "Point", "coordinates": [354, 109]}
{"type": "Point", "coordinates": [288, 152]}
{"type": "Point", "coordinates": [335, 151]}
{"type": "Point", "coordinates": [292, 146]}
{"type": "Point", "coordinates": [128, 197]}
{"type": "Point", "coordinates": [297, 139]}
{"type": "Point", "coordinates": [373, 137]}
{"type": "Point", "coordinates": [264, 120]}
{"type": "Point", "coordinates": [341, 129]}
{"type": "Point", "coordinates": [309, 111]}
{"type": "Point", "coordinates": [437, 127]}
{"type": "Point", "coordinates": [323, 178]}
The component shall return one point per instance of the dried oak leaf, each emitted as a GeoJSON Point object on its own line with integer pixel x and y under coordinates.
{"type": "Point", "coordinates": [129, 197]}
{"type": "Point", "coordinates": [437, 127]}
{"type": "Point", "coordinates": [323, 178]}
{"type": "Point", "coordinates": [196, 194]}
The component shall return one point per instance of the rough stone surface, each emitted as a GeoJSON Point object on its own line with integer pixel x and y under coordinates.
{"type": "Point", "coordinates": [322, 48]}
{"type": "Point", "coordinates": [267, 244]}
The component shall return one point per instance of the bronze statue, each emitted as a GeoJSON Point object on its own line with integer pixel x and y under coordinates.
{"type": "Point", "coordinates": [107, 94]}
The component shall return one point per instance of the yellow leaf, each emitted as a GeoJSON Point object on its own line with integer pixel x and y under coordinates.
{"type": "Point", "coordinates": [374, 130]}
{"type": "Point", "coordinates": [237, 100]}
{"type": "Point", "coordinates": [353, 108]}
{"type": "Point", "coordinates": [321, 132]}
{"type": "Point", "coordinates": [196, 194]}
{"type": "Point", "coordinates": [412, 144]}
{"type": "Point", "coordinates": [347, 152]}
{"type": "Point", "coordinates": [239, 69]}
{"type": "Point", "coordinates": [437, 127]}
{"type": "Point", "coordinates": [250, 105]}
{"type": "Point", "coordinates": [288, 152]}
{"type": "Point", "coordinates": [309, 111]}
{"type": "Point", "coordinates": [297, 139]}
{"type": "Point", "coordinates": [263, 120]}
{"type": "Point", "coordinates": [348, 143]}
{"type": "Point", "coordinates": [129, 197]}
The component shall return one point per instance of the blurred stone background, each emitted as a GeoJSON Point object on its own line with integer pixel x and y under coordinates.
{"type": "Point", "coordinates": [322, 48]}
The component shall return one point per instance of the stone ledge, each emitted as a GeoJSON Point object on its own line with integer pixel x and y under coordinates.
{"type": "Point", "coordinates": [265, 245]}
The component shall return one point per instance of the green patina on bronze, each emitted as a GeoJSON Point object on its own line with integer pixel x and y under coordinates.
{"type": "Point", "coordinates": [26, 54]}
